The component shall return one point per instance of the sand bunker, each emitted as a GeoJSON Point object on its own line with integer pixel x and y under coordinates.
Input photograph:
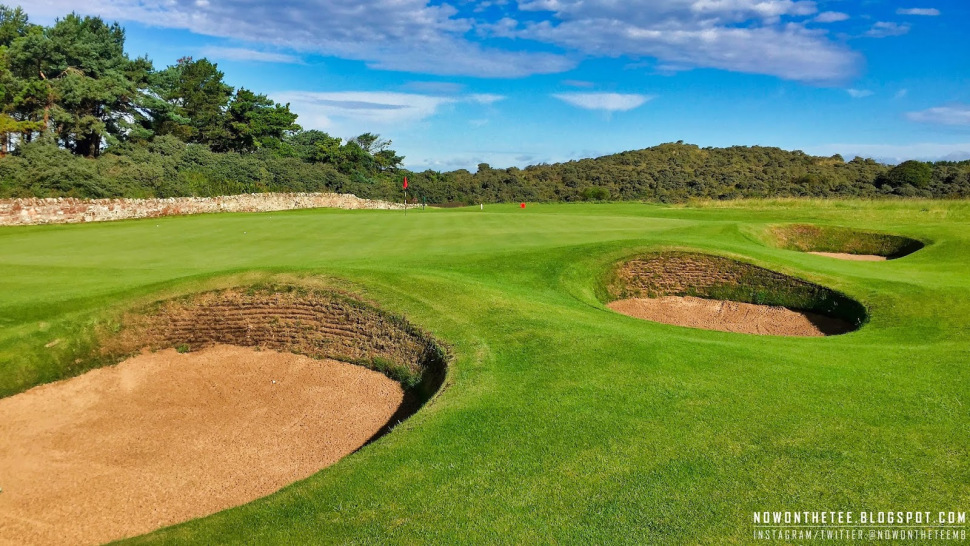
{"type": "Point", "coordinates": [851, 257]}
{"type": "Point", "coordinates": [730, 316]}
{"type": "Point", "coordinates": [842, 243]}
{"type": "Point", "coordinates": [717, 293]}
{"type": "Point", "coordinates": [166, 437]}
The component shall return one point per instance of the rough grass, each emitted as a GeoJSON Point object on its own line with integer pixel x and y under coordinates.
{"type": "Point", "coordinates": [563, 422]}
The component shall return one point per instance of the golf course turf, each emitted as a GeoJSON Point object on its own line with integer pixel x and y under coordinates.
{"type": "Point", "coordinates": [559, 419]}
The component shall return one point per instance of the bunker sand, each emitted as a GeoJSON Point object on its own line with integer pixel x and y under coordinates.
{"type": "Point", "coordinates": [851, 257]}
{"type": "Point", "coordinates": [730, 316]}
{"type": "Point", "coordinates": [166, 437]}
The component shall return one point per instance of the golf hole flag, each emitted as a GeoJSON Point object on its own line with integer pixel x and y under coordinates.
{"type": "Point", "coordinates": [405, 182]}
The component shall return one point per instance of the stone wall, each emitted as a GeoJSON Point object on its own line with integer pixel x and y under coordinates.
{"type": "Point", "coordinates": [66, 210]}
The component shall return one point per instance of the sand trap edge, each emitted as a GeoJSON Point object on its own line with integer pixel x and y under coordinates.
{"type": "Point", "coordinates": [730, 316]}
{"type": "Point", "coordinates": [841, 242]}
{"type": "Point", "coordinates": [689, 274]}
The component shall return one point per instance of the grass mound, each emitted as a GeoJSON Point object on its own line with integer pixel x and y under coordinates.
{"type": "Point", "coordinates": [715, 277]}
{"type": "Point", "coordinates": [811, 238]}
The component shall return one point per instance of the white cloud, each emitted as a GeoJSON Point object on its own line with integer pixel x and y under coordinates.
{"type": "Point", "coordinates": [882, 29]}
{"type": "Point", "coordinates": [859, 93]}
{"type": "Point", "coordinates": [244, 54]}
{"type": "Point", "coordinates": [831, 17]}
{"type": "Point", "coordinates": [344, 113]}
{"type": "Point", "coordinates": [446, 88]}
{"type": "Point", "coordinates": [790, 51]}
{"type": "Point", "coordinates": [351, 112]}
{"type": "Point", "coordinates": [469, 59]}
{"type": "Point", "coordinates": [753, 36]}
{"type": "Point", "coordinates": [957, 114]}
{"type": "Point", "coordinates": [485, 98]}
{"type": "Point", "coordinates": [769, 9]}
{"type": "Point", "coordinates": [610, 102]}
{"type": "Point", "coordinates": [439, 160]}
{"type": "Point", "coordinates": [901, 94]}
{"type": "Point", "coordinates": [721, 11]}
{"type": "Point", "coordinates": [402, 35]}
{"type": "Point", "coordinates": [932, 12]}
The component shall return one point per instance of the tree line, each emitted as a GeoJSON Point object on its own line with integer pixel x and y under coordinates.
{"type": "Point", "coordinates": [677, 171]}
{"type": "Point", "coordinates": [79, 117]}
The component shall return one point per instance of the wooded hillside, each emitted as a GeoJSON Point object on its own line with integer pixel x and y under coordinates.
{"type": "Point", "coordinates": [80, 118]}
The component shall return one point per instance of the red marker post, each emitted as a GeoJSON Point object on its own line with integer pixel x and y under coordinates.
{"type": "Point", "coordinates": [522, 205]}
{"type": "Point", "coordinates": [405, 196]}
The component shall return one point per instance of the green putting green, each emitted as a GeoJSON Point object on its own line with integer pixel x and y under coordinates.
{"type": "Point", "coordinates": [560, 421]}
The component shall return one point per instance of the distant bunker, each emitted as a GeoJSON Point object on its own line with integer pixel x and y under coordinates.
{"type": "Point", "coordinates": [843, 243]}
{"type": "Point", "coordinates": [234, 395]}
{"type": "Point", "coordinates": [716, 293]}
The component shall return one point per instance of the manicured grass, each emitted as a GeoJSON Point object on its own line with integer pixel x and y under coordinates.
{"type": "Point", "coordinates": [562, 421]}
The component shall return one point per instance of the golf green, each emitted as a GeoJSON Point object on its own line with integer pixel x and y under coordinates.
{"type": "Point", "coordinates": [560, 421]}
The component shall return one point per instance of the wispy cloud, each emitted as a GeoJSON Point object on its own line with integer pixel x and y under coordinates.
{"type": "Point", "coordinates": [901, 94]}
{"type": "Point", "coordinates": [609, 102]}
{"type": "Point", "coordinates": [351, 112]}
{"type": "Point", "coordinates": [859, 93]}
{"type": "Point", "coordinates": [788, 51]}
{"type": "Point", "coordinates": [244, 54]}
{"type": "Point", "coordinates": [883, 29]}
{"type": "Point", "coordinates": [932, 12]}
{"type": "Point", "coordinates": [751, 36]}
{"type": "Point", "coordinates": [401, 35]}
{"type": "Point", "coordinates": [485, 98]}
{"type": "Point", "coordinates": [831, 17]}
{"type": "Point", "coordinates": [434, 87]}
{"type": "Point", "coordinates": [956, 114]}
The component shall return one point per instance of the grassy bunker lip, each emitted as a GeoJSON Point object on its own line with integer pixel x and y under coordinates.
{"type": "Point", "coordinates": [834, 241]}
{"type": "Point", "coordinates": [669, 278]}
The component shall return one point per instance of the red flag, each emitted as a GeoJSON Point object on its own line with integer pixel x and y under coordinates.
{"type": "Point", "coordinates": [405, 182]}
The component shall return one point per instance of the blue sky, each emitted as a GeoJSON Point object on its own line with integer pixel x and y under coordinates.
{"type": "Point", "coordinates": [457, 83]}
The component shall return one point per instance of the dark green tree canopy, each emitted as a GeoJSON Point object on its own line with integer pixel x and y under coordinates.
{"type": "Point", "coordinates": [13, 25]}
{"type": "Point", "coordinates": [76, 80]}
{"type": "Point", "coordinates": [193, 101]}
{"type": "Point", "coordinates": [254, 121]}
{"type": "Point", "coordinates": [914, 173]}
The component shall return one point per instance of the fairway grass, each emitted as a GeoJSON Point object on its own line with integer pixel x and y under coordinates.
{"type": "Point", "coordinates": [560, 421]}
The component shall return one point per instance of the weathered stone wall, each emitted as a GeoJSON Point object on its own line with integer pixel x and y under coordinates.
{"type": "Point", "coordinates": [65, 210]}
